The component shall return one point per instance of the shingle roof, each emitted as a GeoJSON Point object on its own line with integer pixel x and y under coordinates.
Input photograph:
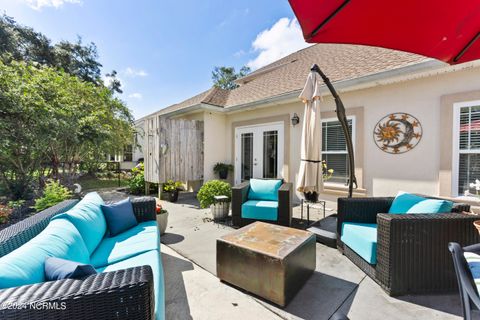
{"type": "Point", "coordinates": [338, 61]}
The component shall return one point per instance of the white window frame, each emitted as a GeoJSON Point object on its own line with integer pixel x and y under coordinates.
{"type": "Point", "coordinates": [456, 141]}
{"type": "Point", "coordinates": [354, 133]}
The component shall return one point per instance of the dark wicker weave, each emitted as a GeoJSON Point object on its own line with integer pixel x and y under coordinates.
{"type": "Point", "coordinates": [240, 195]}
{"type": "Point", "coordinates": [123, 294]}
{"type": "Point", "coordinates": [18, 234]}
{"type": "Point", "coordinates": [411, 248]}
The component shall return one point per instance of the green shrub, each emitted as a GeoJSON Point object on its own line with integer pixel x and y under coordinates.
{"type": "Point", "coordinates": [211, 189]}
{"type": "Point", "coordinates": [53, 193]}
{"type": "Point", "coordinates": [171, 186]}
{"type": "Point", "coordinates": [136, 184]}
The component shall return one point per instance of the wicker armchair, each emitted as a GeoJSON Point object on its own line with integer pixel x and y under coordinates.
{"type": "Point", "coordinates": [240, 195]}
{"type": "Point", "coordinates": [123, 294]}
{"type": "Point", "coordinates": [412, 255]}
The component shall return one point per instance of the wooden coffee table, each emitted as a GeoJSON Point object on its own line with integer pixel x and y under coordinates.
{"type": "Point", "coordinates": [268, 260]}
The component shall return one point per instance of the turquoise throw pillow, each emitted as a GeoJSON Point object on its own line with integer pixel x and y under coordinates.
{"type": "Point", "coordinates": [264, 189]}
{"type": "Point", "coordinates": [88, 217]}
{"type": "Point", "coordinates": [25, 265]}
{"type": "Point", "coordinates": [410, 203]}
{"type": "Point", "coordinates": [119, 216]}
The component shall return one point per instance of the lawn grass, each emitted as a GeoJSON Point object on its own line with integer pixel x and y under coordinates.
{"type": "Point", "coordinates": [92, 183]}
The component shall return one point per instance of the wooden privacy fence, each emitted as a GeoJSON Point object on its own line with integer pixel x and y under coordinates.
{"type": "Point", "coordinates": [173, 150]}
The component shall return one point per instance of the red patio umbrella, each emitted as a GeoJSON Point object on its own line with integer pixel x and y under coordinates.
{"type": "Point", "coordinates": [441, 29]}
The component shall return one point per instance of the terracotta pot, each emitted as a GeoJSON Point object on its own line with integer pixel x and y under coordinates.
{"type": "Point", "coordinates": [162, 220]}
{"type": "Point", "coordinates": [220, 210]}
{"type": "Point", "coordinates": [476, 223]}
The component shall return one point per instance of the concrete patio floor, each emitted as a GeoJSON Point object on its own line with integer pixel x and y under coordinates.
{"type": "Point", "coordinates": [194, 292]}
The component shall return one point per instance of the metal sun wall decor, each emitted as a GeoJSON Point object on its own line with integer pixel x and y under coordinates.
{"type": "Point", "coordinates": [397, 133]}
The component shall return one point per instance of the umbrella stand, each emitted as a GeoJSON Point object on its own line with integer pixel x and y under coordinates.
{"type": "Point", "coordinates": [340, 110]}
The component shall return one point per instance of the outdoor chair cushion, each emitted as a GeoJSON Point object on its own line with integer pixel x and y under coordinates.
{"type": "Point", "coordinates": [473, 261]}
{"type": "Point", "coordinates": [361, 238]}
{"type": "Point", "coordinates": [25, 265]}
{"type": "Point", "coordinates": [119, 216]}
{"type": "Point", "coordinates": [264, 189]}
{"type": "Point", "coordinates": [260, 210]}
{"type": "Point", "coordinates": [141, 238]}
{"type": "Point", "coordinates": [151, 258]}
{"type": "Point", "coordinates": [58, 269]}
{"type": "Point", "coordinates": [87, 216]}
{"type": "Point", "coordinates": [410, 203]}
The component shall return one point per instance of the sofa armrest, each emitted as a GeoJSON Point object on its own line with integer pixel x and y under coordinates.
{"type": "Point", "coordinates": [361, 210]}
{"type": "Point", "coordinates": [239, 196]}
{"type": "Point", "coordinates": [21, 232]}
{"type": "Point", "coordinates": [119, 294]}
{"type": "Point", "coordinates": [412, 250]}
{"type": "Point", "coordinates": [285, 198]}
{"type": "Point", "coordinates": [144, 208]}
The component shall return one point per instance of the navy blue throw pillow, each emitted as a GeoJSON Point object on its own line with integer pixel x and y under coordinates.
{"type": "Point", "coordinates": [119, 216]}
{"type": "Point", "coordinates": [57, 269]}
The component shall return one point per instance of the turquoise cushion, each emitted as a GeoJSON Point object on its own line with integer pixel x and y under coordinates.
{"type": "Point", "coordinates": [119, 216]}
{"type": "Point", "coordinates": [151, 258]}
{"type": "Point", "coordinates": [260, 210]}
{"type": "Point", "coordinates": [25, 265]}
{"type": "Point", "coordinates": [473, 261]}
{"type": "Point", "coordinates": [87, 216]}
{"type": "Point", "coordinates": [261, 189]}
{"type": "Point", "coordinates": [410, 203]}
{"type": "Point", "coordinates": [361, 238]}
{"type": "Point", "coordinates": [141, 238]}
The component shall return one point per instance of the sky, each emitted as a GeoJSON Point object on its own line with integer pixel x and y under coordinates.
{"type": "Point", "coordinates": [164, 50]}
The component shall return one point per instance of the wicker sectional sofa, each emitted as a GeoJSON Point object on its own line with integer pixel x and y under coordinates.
{"type": "Point", "coordinates": [411, 249]}
{"type": "Point", "coordinates": [129, 283]}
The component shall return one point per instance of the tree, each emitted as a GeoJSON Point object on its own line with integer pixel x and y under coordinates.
{"type": "Point", "coordinates": [22, 43]}
{"type": "Point", "coordinates": [50, 117]}
{"type": "Point", "coordinates": [224, 77]}
{"type": "Point", "coordinates": [113, 83]}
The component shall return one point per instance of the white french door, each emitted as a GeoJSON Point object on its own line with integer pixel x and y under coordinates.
{"type": "Point", "coordinates": [259, 151]}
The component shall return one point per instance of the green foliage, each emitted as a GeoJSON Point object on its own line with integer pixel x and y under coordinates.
{"type": "Point", "coordinates": [53, 193]}
{"type": "Point", "coordinates": [224, 77]}
{"type": "Point", "coordinates": [211, 189]}
{"type": "Point", "coordinates": [136, 184]}
{"type": "Point", "coordinates": [222, 167]}
{"type": "Point", "coordinates": [22, 43]}
{"type": "Point", "coordinates": [5, 212]}
{"type": "Point", "coordinates": [16, 204]}
{"type": "Point", "coordinates": [171, 186]}
{"type": "Point", "coordinates": [50, 117]}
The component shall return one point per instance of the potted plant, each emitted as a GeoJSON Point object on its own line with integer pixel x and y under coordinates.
{"type": "Point", "coordinates": [206, 196]}
{"type": "Point", "coordinates": [170, 190]}
{"type": "Point", "coordinates": [222, 170]}
{"type": "Point", "coordinates": [162, 218]}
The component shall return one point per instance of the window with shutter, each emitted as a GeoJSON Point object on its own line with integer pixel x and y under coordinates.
{"type": "Point", "coordinates": [334, 148]}
{"type": "Point", "coordinates": [468, 157]}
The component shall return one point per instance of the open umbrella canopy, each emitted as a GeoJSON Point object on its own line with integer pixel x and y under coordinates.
{"type": "Point", "coordinates": [442, 29]}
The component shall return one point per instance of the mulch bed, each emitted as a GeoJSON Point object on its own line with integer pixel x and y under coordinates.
{"type": "Point", "coordinates": [18, 215]}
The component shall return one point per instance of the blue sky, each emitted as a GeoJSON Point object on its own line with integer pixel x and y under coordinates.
{"type": "Point", "coordinates": [165, 50]}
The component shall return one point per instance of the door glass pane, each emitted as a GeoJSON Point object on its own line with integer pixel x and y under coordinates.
{"type": "Point", "coordinates": [247, 156]}
{"type": "Point", "coordinates": [270, 154]}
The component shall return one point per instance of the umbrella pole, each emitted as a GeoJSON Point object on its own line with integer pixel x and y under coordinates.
{"type": "Point", "coordinates": [340, 110]}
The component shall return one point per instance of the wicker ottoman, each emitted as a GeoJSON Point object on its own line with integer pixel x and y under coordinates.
{"type": "Point", "coordinates": [268, 260]}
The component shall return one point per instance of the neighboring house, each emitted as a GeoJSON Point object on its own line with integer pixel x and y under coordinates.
{"type": "Point", "coordinates": [251, 127]}
{"type": "Point", "coordinates": [132, 153]}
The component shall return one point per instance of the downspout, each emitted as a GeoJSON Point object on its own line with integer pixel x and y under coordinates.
{"type": "Point", "coordinates": [340, 110]}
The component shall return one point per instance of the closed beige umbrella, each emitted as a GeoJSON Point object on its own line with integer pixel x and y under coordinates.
{"type": "Point", "coordinates": [310, 174]}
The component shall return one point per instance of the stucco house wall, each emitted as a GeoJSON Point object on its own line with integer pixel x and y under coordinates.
{"type": "Point", "coordinates": [379, 173]}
